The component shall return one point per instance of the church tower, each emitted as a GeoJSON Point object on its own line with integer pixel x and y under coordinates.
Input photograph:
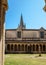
{"type": "Point", "coordinates": [21, 25]}
{"type": "Point", "coordinates": [3, 8]}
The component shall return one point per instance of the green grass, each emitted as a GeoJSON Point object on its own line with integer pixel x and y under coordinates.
{"type": "Point", "coordinates": [25, 59]}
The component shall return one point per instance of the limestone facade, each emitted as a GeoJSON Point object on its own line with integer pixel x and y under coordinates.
{"type": "Point", "coordinates": [22, 40]}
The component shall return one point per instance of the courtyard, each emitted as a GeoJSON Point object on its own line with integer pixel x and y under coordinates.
{"type": "Point", "coordinates": [25, 59]}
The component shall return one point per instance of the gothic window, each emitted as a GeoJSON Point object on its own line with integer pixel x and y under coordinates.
{"type": "Point", "coordinates": [42, 34]}
{"type": "Point", "coordinates": [19, 34]}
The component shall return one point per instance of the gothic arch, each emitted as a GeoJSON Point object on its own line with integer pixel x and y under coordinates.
{"type": "Point", "coordinates": [43, 47]}
{"type": "Point", "coordinates": [8, 47]}
{"type": "Point", "coordinates": [12, 47]}
{"type": "Point", "coordinates": [40, 47]}
{"type": "Point", "coordinates": [37, 47]}
{"type": "Point", "coordinates": [33, 47]}
{"type": "Point", "coordinates": [19, 47]}
{"type": "Point", "coordinates": [22, 47]}
{"type": "Point", "coordinates": [15, 47]}
{"type": "Point", "coordinates": [26, 47]}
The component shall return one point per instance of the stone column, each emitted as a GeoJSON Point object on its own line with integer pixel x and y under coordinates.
{"type": "Point", "coordinates": [45, 47]}
{"type": "Point", "coordinates": [24, 47]}
{"type": "Point", "coordinates": [42, 47]}
{"type": "Point", "coordinates": [35, 48]}
{"type": "Point", "coordinates": [3, 8]}
{"type": "Point", "coordinates": [13, 47]}
{"type": "Point", "coordinates": [10, 48]}
{"type": "Point", "coordinates": [31, 48]}
{"type": "Point", "coordinates": [39, 51]}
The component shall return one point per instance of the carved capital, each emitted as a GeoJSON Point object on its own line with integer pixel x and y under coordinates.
{"type": "Point", "coordinates": [5, 4]}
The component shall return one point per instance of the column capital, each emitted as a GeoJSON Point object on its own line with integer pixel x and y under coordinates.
{"type": "Point", "coordinates": [5, 4]}
{"type": "Point", "coordinates": [44, 6]}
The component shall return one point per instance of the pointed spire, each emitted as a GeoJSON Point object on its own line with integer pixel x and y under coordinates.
{"type": "Point", "coordinates": [21, 21]}
{"type": "Point", "coordinates": [22, 26]}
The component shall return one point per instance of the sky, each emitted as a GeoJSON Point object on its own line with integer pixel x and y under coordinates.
{"type": "Point", "coordinates": [32, 11]}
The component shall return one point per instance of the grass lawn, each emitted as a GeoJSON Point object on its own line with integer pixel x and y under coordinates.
{"type": "Point", "coordinates": [25, 59]}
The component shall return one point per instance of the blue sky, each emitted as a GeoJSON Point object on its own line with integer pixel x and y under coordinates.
{"type": "Point", "coordinates": [32, 10]}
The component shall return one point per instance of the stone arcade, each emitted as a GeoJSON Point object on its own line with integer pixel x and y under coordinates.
{"type": "Point", "coordinates": [22, 40]}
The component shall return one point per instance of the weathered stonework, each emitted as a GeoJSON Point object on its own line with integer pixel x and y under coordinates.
{"type": "Point", "coordinates": [22, 40]}
{"type": "Point", "coordinates": [3, 8]}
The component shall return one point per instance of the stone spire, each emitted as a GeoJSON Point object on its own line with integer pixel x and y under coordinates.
{"type": "Point", "coordinates": [21, 26]}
